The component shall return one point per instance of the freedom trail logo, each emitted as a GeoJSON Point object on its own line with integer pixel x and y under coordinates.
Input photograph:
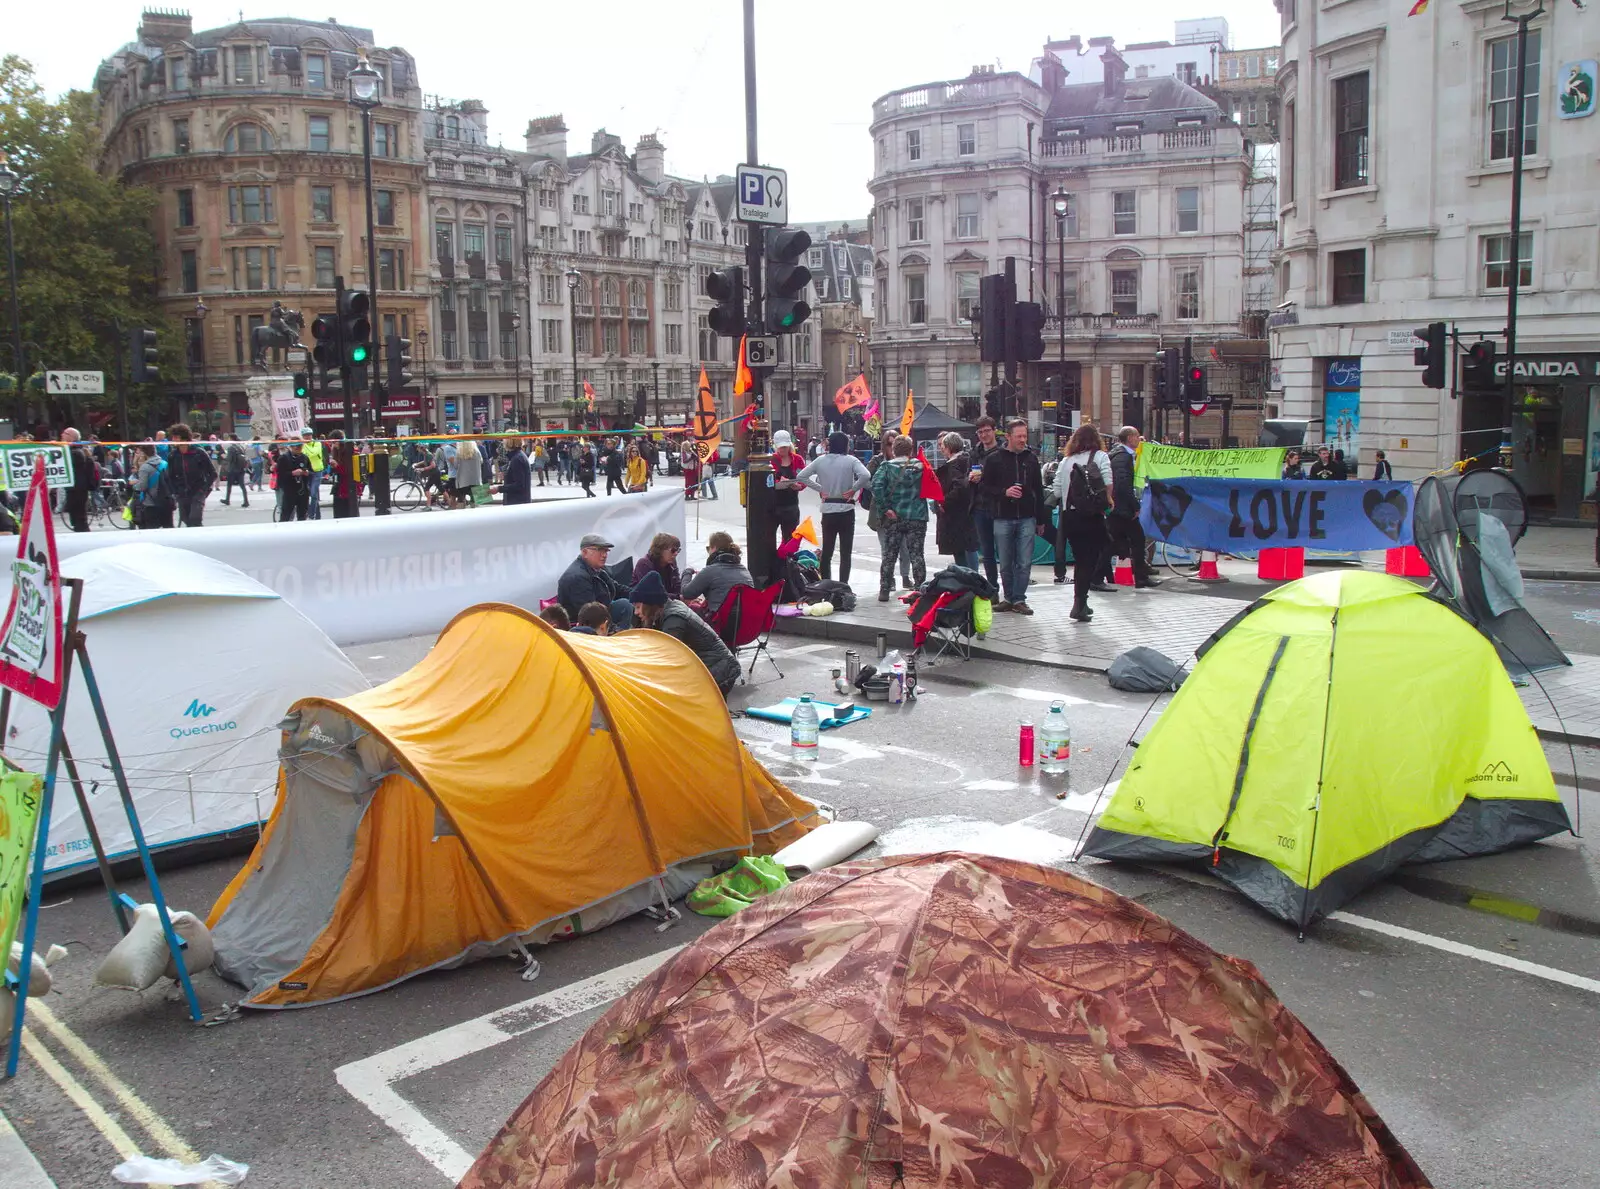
{"type": "Point", "coordinates": [1496, 773]}
{"type": "Point", "coordinates": [200, 712]}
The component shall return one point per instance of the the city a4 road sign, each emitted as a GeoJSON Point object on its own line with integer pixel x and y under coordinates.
{"type": "Point", "coordinates": [75, 383]}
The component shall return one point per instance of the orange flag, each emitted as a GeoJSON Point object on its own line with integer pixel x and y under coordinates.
{"type": "Point", "coordinates": [588, 393]}
{"type": "Point", "coordinates": [703, 423]}
{"type": "Point", "coordinates": [1417, 9]}
{"type": "Point", "coordinates": [853, 395]}
{"type": "Point", "coordinates": [805, 531]}
{"type": "Point", "coordinates": [743, 381]}
{"type": "Point", "coordinates": [909, 415]}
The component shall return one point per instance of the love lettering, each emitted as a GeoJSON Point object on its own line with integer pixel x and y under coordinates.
{"type": "Point", "coordinates": [1268, 509]}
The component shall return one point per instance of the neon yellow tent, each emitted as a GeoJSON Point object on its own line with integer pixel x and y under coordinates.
{"type": "Point", "coordinates": [517, 783]}
{"type": "Point", "coordinates": [1334, 729]}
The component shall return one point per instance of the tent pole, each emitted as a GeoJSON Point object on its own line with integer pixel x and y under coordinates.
{"type": "Point", "coordinates": [1322, 764]}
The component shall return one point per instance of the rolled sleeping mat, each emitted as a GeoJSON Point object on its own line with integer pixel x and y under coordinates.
{"type": "Point", "coordinates": [825, 846]}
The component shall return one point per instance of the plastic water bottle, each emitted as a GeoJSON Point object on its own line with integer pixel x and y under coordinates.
{"type": "Point", "coordinates": [897, 680]}
{"type": "Point", "coordinates": [1055, 740]}
{"type": "Point", "coordinates": [803, 731]}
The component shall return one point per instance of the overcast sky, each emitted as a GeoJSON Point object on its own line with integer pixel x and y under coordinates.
{"type": "Point", "coordinates": [637, 66]}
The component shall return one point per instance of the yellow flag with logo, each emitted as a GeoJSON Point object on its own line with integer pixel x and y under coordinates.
{"type": "Point", "coordinates": [909, 415]}
{"type": "Point", "coordinates": [707, 430]}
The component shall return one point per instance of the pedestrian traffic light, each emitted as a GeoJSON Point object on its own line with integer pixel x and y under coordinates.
{"type": "Point", "coordinates": [993, 301]}
{"type": "Point", "coordinates": [1430, 357]}
{"type": "Point", "coordinates": [1478, 374]}
{"type": "Point", "coordinates": [1194, 387]}
{"type": "Point", "coordinates": [1168, 377]}
{"type": "Point", "coordinates": [725, 286]}
{"type": "Point", "coordinates": [325, 330]}
{"type": "Point", "coordinates": [355, 327]}
{"type": "Point", "coordinates": [398, 352]}
{"type": "Point", "coordinates": [786, 280]}
{"type": "Point", "coordinates": [143, 357]}
{"type": "Point", "coordinates": [1028, 321]}
{"type": "Point", "coordinates": [302, 385]}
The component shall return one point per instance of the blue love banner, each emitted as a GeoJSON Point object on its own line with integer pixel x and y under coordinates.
{"type": "Point", "coordinates": [1246, 515]}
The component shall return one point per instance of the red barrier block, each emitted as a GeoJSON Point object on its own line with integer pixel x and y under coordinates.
{"type": "Point", "coordinates": [1281, 565]}
{"type": "Point", "coordinates": [1406, 562]}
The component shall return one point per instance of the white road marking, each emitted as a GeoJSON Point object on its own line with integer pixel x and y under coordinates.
{"type": "Point", "coordinates": [371, 1080]}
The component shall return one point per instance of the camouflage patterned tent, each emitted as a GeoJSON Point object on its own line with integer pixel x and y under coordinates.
{"type": "Point", "coordinates": [947, 1020]}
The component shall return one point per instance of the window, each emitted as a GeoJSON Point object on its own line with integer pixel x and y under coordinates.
{"type": "Point", "coordinates": [610, 292]}
{"type": "Point", "coordinates": [1289, 9]}
{"type": "Point", "coordinates": [1351, 145]}
{"type": "Point", "coordinates": [1252, 112]}
{"type": "Point", "coordinates": [916, 299]}
{"type": "Point", "coordinates": [966, 139]}
{"type": "Point", "coordinates": [639, 338]}
{"type": "Point", "coordinates": [1283, 281]}
{"type": "Point", "coordinates": [583, 337]}
{"type": "Point", "coordinates": [636, 294]}
{"type": "Point", "coordinates": [583, 241]}
{"type": "Point", "coordinates": [1497, 263]}
{"type": "Point", "coordinates": [739, 237]}
{"type": "Point", "coordinates": [1124, 220]}
{"type": "Point", "coordinates": [502, 244]}
{"type": "Point", "coordinates": [385, 140]}
{"type": "Point", "coordinates": [1188, 72]}
{"type": "Point", "coordinates": [883, 149]}
{"type": "Point", "coordinates": [611, 245]}
{"type": "Point", "coordinates": [916, 221]}
{"type": "Point", "coordinates": [189, 268]}
{"type": "Point", "coordinates": [549, 288]}
{"type": "Point", "coordinates": [673, 295]}
{"type": "Point", "coordinates": [391, 268]}
{"type": "Point", "coordinates": [1502, 80]}
{"type": "Point", "coordinates": [319, 137]}
{"type": "Point", "coordinates": [444, 240]}
{"type": "Point", "coordinates": [580, 204]}
{"type": "Point", "coordinates": [185, 208]}
{"type": "Point", "coordinates": [1252, 66]}
{"type": "Point", "coordinates": [383, 205]}
{"type": "Point", "coordinates": [547, 237]}
{"type": "Point", "coordinates": [1069, 292]}
{"type": "Point", "coordinates": [966, 295]}
{"type": "Point", "coordinates": [708, 230]}
{"type": "Point", "coordinates": [255, 268]}
{"type": "Point", "coordinates": [674, 339]}
{"type": "Point", "coordinates": [250, 204]}
{"type": "Point", "coordinates": [1349, 276]}
{"type": "Point", "coordinates": [1067, 226]}
{"type": "Point", "coordinates": [447, 345]}
{"type": "Point", "coordinates": [141, 148]}
{"type": "Point", "coordinates": [1125, 292]}
{"type": "Point", "coordinates": [1286, 163]}
{"type": "Point", "coordinates": [472, 239]}
{"type": "Point", "coordinates": [477, 299]}
{"type": "Point", "coordinates": [636, 246]}
{"type": "Point", "coordinates": [636, 212]}
{"type": "Point", "coordinates": [1230, 68]}
{"type": "Point", "coordinates": [547, 198]}
{"type": "Point", "coordinates": [325, 267]}
{"type": "Point", "coordinates": [447, 300]}
{"type": "Point", "coordinates": [669, 249]}
{"type": "Point", "coordinates": [244, 65]}
{"type": "Point", "coordinates": [917, 380]}
{"type": "Point", "coordinates": [550, 335]}
{"type": "Point", "coordinates": [179, 68]}
{"type": "Point", "coordinates": [914, 146]}
{"type": "Point", "coordinates": [508, 343]}
{"type": "Point", "coordinates": [967, 216]}
{"type": "Point", "coordinates": [609, 200]}
{"type": "Point", "coordinates": [247, 138]}
{"type": "Point", "coordinates": [322, 204]}
{"type": "Point", "coordinates": [1188, 208]}
{"type": "Point", "coordinates": [968, 382]}
{"type": "Point", "coordinates": [478, 342]}
{"type": "Point", "coordinates": [611, 337]}
{"type": "Point", "coordinates": [1186, 293]}
{"type": "Point", "coordinates": [317, 72]}
{"type": "Point", "coordinates": [452, 128]}
{"type": "Point", "coordinates": [180, 136]}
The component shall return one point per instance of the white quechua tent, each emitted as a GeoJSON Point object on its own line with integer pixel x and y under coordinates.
{"type": "Point", "coordinates": [198, 664]}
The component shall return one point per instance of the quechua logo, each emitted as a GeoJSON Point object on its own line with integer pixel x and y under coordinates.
{"type": "Point", "coordinates": [203, 715]}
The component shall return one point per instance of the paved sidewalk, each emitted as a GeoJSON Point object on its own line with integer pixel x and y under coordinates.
{"type": "Point", "coordinates": [18, 1167]}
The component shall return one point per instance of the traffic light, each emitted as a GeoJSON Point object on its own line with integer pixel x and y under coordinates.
{"type": "Point", "coordinates": [1168, 377]}
{"type": "Point", "coordinates": [725, 286]}
{"type": "Point", "coordinates": [398, 351]}
{"type": "Point", "coordinates": [355, 327]}
{"type": "Point", "coordinates": [786, 280]}
{"type": "Point", "coordinates": [143, 357]}
{"type": "Point", "coordinates": [993, 301]}
{"type": "Point", "coordinates": [302, 385]}
{"type": "Point", "coordinates": [1194, 386]}
{"type": "Point", "coordinates": [1478, 374]}
{"type": "Point", "coordinates": [325, 330]}
{"type": "Point", "coordinates": [1430, 357]}
{"type": "Point", "coordinates": [1028, 321]}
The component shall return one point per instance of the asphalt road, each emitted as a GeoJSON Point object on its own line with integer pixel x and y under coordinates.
{"type": "Point", "coordinates": [1486, 1073]}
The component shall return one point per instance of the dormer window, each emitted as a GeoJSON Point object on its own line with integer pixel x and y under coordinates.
{"type": "Point", "coordinates": [249, 65]}
{"type": "Point", "coordinates": [178, 71]}
{"type": "Point", "coordinates": [317, 72]}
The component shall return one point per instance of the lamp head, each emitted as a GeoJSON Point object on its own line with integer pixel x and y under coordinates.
{"type": "Point", "coordinates": [364, 81]}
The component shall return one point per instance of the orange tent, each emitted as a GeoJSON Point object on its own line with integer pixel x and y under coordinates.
{"type": "Point", "coordinates": [517, 783]}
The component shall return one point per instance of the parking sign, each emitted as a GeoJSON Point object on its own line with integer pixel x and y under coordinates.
{"type": "Point", "coordinates": [763, 195]}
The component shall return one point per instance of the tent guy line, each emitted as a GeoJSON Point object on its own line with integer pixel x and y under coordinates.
{"type": "Point", "coordinates": [371, 1080]}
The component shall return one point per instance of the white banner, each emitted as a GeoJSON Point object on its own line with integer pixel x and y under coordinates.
{"type": "Point", "coordinates": [408, 574]}
{"type": "Point", "coordinates": [287, 416]}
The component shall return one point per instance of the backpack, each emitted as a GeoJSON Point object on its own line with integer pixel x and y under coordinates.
{"type": "Point", "coordinates": [161, 496]}
{"type": "Point", "coordinates": [1086, 490]}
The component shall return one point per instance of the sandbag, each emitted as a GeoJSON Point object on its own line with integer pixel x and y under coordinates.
{"type": "Point", "coordinates": [140, 958]}
{"type": "Point", "coordinates": [1144, 671]}
{"type": "Point", "coordinates": [39, 981]}
{"type": "Point", "coordinates": [828, 844]}
{"type": "Point", "coordinates": [199, 953]}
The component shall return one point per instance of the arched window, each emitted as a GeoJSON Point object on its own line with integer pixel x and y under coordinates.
{"type": "Point", "coordinates": [636, 293]}
{"type": "Point", "coordinates": [610, 292]}
{"type": "Point", "coordinates": [248, 138]}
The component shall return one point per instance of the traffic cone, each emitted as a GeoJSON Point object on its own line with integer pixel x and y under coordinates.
{"type": "Point", "coordinates": [1123, 574]}
{"type": "Point", "coordinates": [1208, 568]}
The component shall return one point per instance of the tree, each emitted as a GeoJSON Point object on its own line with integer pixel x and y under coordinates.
{"type": "Point", "coordinates": [86, 256]}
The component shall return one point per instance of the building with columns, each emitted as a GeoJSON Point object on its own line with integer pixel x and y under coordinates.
{"type": "Point", "coordinates": [247, 136]}
{"type": "Point", "coordinates": [1150, 252]}
{"type": "Point", "coordinates": [1395, 200]}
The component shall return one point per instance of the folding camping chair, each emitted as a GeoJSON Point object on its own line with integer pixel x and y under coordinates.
{"type": "Point", "coordinates": [745, 618]}
{"type": "Point", "coordinates": [951, 631]}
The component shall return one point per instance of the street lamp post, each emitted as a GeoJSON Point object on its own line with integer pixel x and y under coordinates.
{"type": "Point", "coordinates": [9, 181]}
{"type": "Point", "coordinates": [365, 83]}
{"type": "Point", "coordinates": [427, 392]}
{"type": "Point", "coordinates": [1514, 255]}
{"type": "Point", "coordinates": [655, 380]}
{"type": "Point", "coordinates": [200, 312]}
{"type": "Point", "coordinates": [1062, 201]}
{"type": "Point", "coordinates": [516, 356]}
{"type": "Point", "coordinates": [574, 277]}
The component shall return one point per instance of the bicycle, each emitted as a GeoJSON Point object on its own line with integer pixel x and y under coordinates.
{"type": "Point", "coordinates": [1183, 562]}
{"type": "Point", "coordinates": [408, 495]}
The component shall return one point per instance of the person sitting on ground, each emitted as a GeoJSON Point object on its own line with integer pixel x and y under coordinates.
{"type": "Point", "coordinates": [594, 619]}
{"type": "Point", "coordinates": [663, 559]}
{"type": "Point", "coordinates": [587, 580]}
{"type": "Point", "coordinates": [556, 616]}
{"type": "Point", "coordinates": [723, 571]}
{"type": "Point", "coordinates": [672, 616]}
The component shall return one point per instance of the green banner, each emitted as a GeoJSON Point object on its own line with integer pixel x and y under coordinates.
{"type": "Point", "coordinates": [1171, 462]}
{"type": "Point", "coordinates": [20, 794]}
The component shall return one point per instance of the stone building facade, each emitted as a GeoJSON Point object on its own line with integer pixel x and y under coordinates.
{"type": "Point", "coordinates": [247, 136]}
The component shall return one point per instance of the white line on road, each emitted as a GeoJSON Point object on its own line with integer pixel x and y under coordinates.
{"type": "Point", "coordinates": [371, 1080]}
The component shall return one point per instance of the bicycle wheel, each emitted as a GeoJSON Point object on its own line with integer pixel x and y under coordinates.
{"type": "Point", "coordinates": [1181, 562]}
{"type": "Point", "coordinates": [406, 495]}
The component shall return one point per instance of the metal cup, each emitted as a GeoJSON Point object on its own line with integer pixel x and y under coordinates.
{"type": "Point", "coordinates": [852, 666]}
{"type": "Point", "coordinates": [883, 645]}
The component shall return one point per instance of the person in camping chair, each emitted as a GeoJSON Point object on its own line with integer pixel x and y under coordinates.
{"type": "Point", "coordinates": [587, 580]}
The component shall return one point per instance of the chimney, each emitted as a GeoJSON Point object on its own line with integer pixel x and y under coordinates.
{"type": "Point", "coordinates": [1116, 72]}
{"type": "Point", "coordinates": [1052, 73]}
{"type": "Point", "coordinates": [603, 140]}
{"type": "Point", "coordinates": [160, 27]}
{"type": "Point", "coordinates": [650, 159]}
{"type": "Point", "coordinates": [547, 137]}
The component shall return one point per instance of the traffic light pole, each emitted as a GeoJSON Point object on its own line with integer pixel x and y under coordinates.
{"type": "Point", "coordinates": [1183, 385]}
{"type": "Point", "coordinates": [1514, 254]}
{"type": "Point", "coordinates": [344, 363]}
{"type": "Point", "coordinates": [758, 498]}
